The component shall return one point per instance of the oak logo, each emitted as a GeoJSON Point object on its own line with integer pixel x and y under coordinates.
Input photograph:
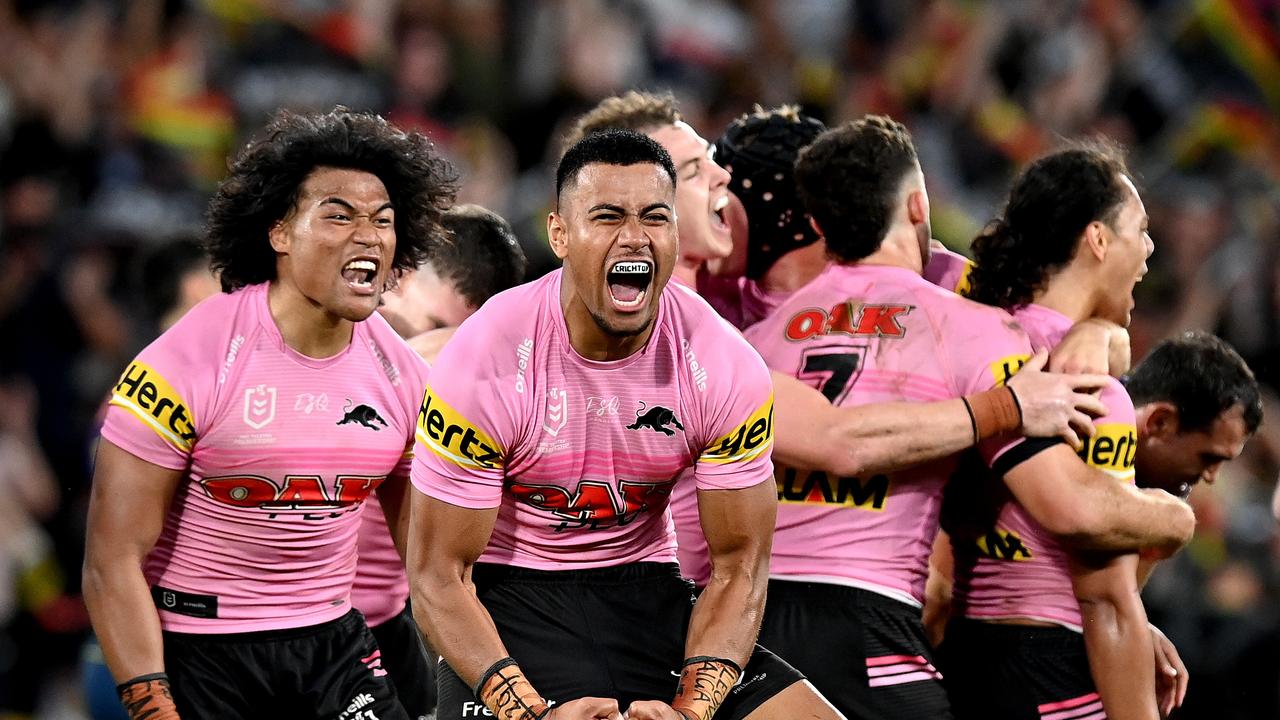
{"type": "Point", "coordinates": [297, 492]}
{"type": "Point", "coordinates": [594, 504]}
{"type": "Point", "coordinates": [143, 392]}
{"type": "Point", "coordinates": [450, 436]}
{"type": "Point", "coordinates": [747, 441]}
{"type": "Point", "coordinates": [819, 488]}
{"type": "Point", "coordinates": [1003, 545]}
{"type": "Point", "coordinates": [847, 319]}
{"type": "Point", "coordinates": [1112, 449]}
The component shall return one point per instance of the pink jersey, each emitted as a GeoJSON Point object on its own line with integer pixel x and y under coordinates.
{"type": "Point", "coordinates": [381, 587]}
{"type": "Point", "coordinates": [1016, 569]}
{"type": "Point", "coordinates": [948, 270]}
{"type": "Point", "coordinates": [279, 452]}
{"type": "Point", "coordinates": [741, 301]}
{"type": "Point", "coordinates": [865, 334]}
{"type": "Point", "coordinates": [580, 456]}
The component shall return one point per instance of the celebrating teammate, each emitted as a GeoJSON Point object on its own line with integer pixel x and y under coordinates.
{"type": "Point", "coordinates": [1070, 244]}
{"type": "Point", "coordinates": [850, 553]}
{"type": "Point", "coordinates": [556, 423]}
{"type": "Point", "coordinates": [480, 258]}
{"type": "Point", "coordinates": [240, 445]}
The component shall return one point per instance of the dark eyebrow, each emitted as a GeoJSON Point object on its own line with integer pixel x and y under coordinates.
{"type": "Point", "coordinates": [655, 206]}
{"type": "Point", "coordinates": [608, 206]}
{"type": "Point", "coordinates": [339, 201]}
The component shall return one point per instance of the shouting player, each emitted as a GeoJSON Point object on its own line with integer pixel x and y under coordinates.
{"type": "Point", "coordinates": [556, 423]}
{"type": "Point", "coordinates": [226, 496]}
{"type": "Point", "coordinates": [850, 554]}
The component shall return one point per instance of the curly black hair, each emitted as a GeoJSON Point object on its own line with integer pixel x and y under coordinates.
{"type": "Point", "coordinates": [267, 176]}
{"type": "Point", "coordinates": [1050, 204]}
{"type": "Point", "coordinates": [848, 179]}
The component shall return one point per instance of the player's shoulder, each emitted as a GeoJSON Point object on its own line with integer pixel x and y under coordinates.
{"type": "Point", "coordinates": [709, 346]}
{"type": "Point", "coordinates": [502, 335]}
{"type": "Point", "coordinates": [209, 332]}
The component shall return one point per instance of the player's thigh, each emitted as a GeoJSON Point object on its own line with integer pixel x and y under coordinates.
{"type": "Point", "coordinates": [903, 681]}
{"type": "Point", "coordinates": [405, 657]}
{"type": "Point", "coordinates": [771, 689]}
{"type": "Point", "coordinates": [641, 625]}
{"type": "Point", "coordinates": [348, 678]}
{"type": "Point", "coordinates": [815, 628]}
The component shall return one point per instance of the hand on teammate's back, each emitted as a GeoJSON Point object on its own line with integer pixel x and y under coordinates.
{"type": "Point", "coordinates": [1055, 405]}
{"type": "Point", "coordinates": [1171, 673]}
{"type": "Point", "coordinates": [652, 710]}
{"type": "Point", "coordinates": [587, 708]}
{"type": "Point", "coordinates": [1093, 346]}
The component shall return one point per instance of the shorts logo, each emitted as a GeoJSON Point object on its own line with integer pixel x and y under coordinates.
{"type": "Point", "coordinates": [1003, 545]}
{"type": "Point", "coordinates": [1112, 449]}
{"type": "Point", "coordinates": [452, 437]}
{"type": "Point", "coordinates": [259, 406]}
{"type": "Point", "coordinates": [819, 488]}
{"type": "Point", "coordinates": [656, 418]}
{"type": "Point", "coordinates": [747, 441]}
{"type": "Point", "coordinates": [145, 393]}
{"type": "Point", "coordinates": [362, 414]}
{"type": "Point", "coordinates": [846, 319]}
{"type": "Point", "coordinates": [557, 411]}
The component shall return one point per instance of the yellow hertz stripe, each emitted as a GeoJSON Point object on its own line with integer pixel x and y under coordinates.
{"type": "Point", "coordinates": [452, 437]}
{"type": "Point", "coordinates": [1112, 450]}
{"type": "Point", "coordinates": [153, 400]}
{"type": "Point", "coordinates": [965, 284]}
{"type": "Point", "coordinates": [164, 432]}
{"type": "Point", "coordinates": [1004, 369]}
{"type": "Point", "coordinates": [747, 441]}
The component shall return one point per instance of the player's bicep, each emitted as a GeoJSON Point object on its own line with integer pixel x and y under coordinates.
{"type": "Point", "coordinates": [738, 524]}
{"type": "Point", "coordinates": [445, 539]}
{"type": "Point", "coordinates": [1053, 486]}
{"type": "Point", "coordinates": [128, 502]}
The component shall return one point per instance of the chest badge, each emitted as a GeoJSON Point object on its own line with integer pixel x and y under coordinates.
{"type": "Point", "coordinates": [656, 418]}
{"type": "Point", "coordinates": [362, 414]}
{"type": "Point", "coordinates": [259, 406]}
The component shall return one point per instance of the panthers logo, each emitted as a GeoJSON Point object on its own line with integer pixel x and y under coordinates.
{"type": "Point", "coordinates": [656, 418]}
{"type": "Point", "coordinates": [362, 414]}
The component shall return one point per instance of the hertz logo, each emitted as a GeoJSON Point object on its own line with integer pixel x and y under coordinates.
{"type": "Point", "coordinates": [747, 441]}
{"type": "Point", "coordinates": [1112, 449]}
{"type": "Point", "coordinates": [449, 435]}
{"type": "Point", "coordinates": [965, 284]}
{"type": "Point", "coordinates": [1003, 545]}
{"type": "Point", "coordinates": [143, 392]}
{"type": "Point", "coordinates": [819, 488]}
{"type": "Point", "coordinates": [1005, 368]}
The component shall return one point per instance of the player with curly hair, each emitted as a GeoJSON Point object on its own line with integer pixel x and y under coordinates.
{"type": "Point", "coordinates": [239, 447]}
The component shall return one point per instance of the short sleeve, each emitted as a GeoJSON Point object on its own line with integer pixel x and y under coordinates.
{"type": "Point", "coordinates": [154, 409]}
{"type": "Point", "coordinates": [738, 410]}
{"type": "Point", "coordinates": [1114, 444]}
{"type": "Point", "coordinates": [948, 270]}
{"type": "Point", "coordinates": [988, 356]}
{"type": "Point", "coordinates": [465, 423]}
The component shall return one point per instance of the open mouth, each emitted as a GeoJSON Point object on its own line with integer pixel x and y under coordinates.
{"type": "Point", "coordinates": [629, 282]}
{"type": "Point", "coordinates": [718, 219]}
{"type": "Point", "coordinates": [360, 275]}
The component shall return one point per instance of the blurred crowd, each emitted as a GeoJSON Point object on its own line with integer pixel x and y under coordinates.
{"type": "Point", "coordinates": [116, 118]}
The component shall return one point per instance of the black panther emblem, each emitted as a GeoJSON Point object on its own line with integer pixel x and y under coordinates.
{"type": "Point", "coordinates": [656, 419]}
{"type": "Point", "coordinates": [362, 414]}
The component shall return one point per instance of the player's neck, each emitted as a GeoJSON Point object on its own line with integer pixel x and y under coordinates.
{"type": "Point", "coordinates": [900, 248]}
{"type": "Point", "coordinates": [1071, 293]}
{"type": "Point", "coordinates": [586, 336]}
{"type": "Point", "coordinates": [686, 271]}
{"type": "Point", "coordinates": [304, 325]}
{"type": "Point", "coordinates": [795, 269]}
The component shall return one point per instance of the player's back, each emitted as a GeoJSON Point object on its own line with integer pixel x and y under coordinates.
{"type": "Point", "coordinates": [865, 334]}
{"type": "Point", "coordinates": [581, 456]}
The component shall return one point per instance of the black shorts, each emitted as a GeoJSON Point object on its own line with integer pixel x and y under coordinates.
{"type": "Point", "coordinates": [406, 659]}
{"type": "Point", "coordinates": [1016, 672]}
{"type": "Point", "coordinates": [864, 652]}
{"type": "Point", "coordinates": [613, 632]}
{"type": "Point", "coordinates": [330, 671]}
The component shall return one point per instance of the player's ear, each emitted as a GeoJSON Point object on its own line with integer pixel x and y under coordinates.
{"type": "Point", "coordinates": [1096, 239]}
{"type": "Point", "coordinates": [557, 235]}
{"type": "Point", "coordinates": [917, 207]}
{"type": "Point", "coordinates": [278, 237]}
{"type": "Point", "coordinates": [1161, 421]}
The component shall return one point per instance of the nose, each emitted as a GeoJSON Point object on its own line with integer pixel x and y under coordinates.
{"type": "Point", "coordinates": [1148, 243]}
{"type": "Point", "coordinates": [632, 235]}
{"type": "Point", "coordinates": [719, 176]}
{"type": "Point", "coordinates": [1210, 474]}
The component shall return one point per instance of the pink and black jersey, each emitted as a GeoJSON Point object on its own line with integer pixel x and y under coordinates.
{"type": "Point", "coordinates": [741, 301]}
{"type": "Point", "coordinates": [580, 456]}
{"type": "Point", "coordinates": [1016, 569]}
{"type": "Point", "coordinates": [873, 333]}
{"type": "Point", "coordinates": [279, 452]}
{"type": "Point", "coordinates": [948, 270]}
